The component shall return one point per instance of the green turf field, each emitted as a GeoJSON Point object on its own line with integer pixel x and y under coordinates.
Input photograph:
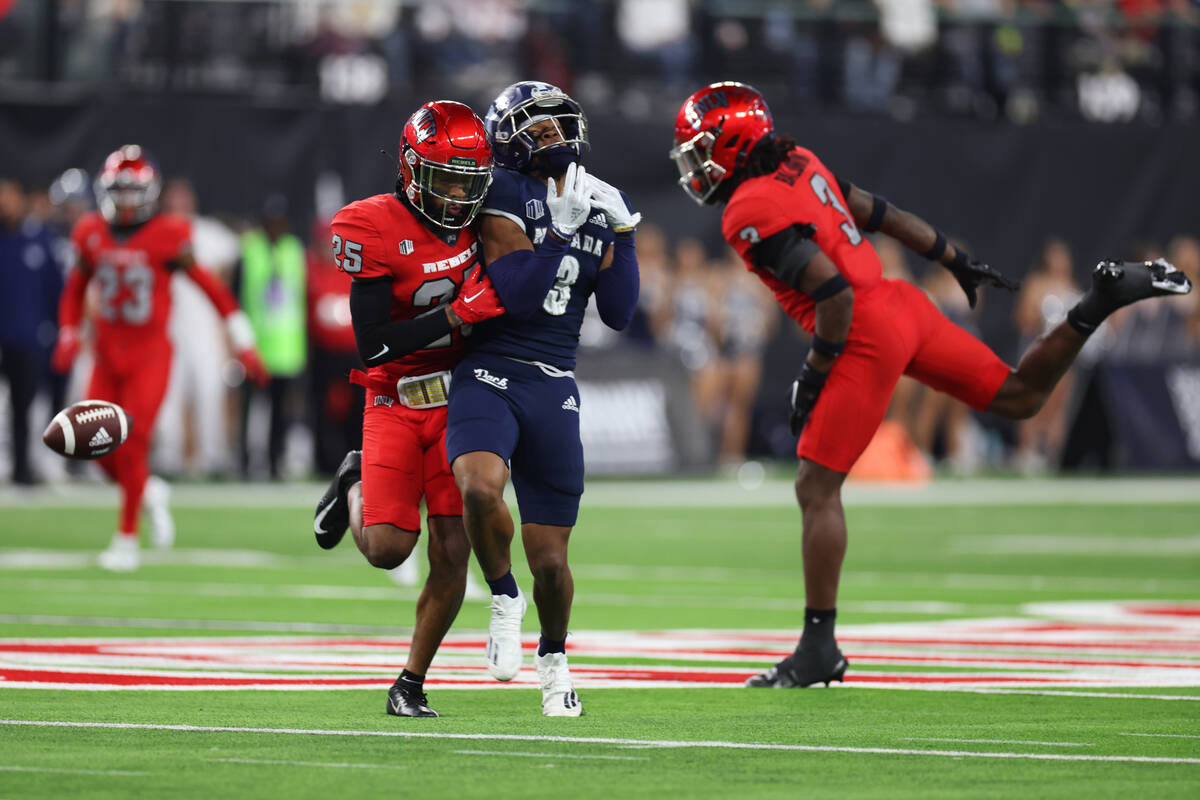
{"type": "Point", "coordinates": [1006, 640]}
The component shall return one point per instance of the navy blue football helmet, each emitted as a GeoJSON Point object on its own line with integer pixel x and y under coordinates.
{"type": "Point", "coordinates": [527, 103]}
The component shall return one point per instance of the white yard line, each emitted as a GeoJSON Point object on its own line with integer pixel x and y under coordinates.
{"type": "Point", "coordinates": [199, 624]}
{"type": "Point", "coordinates": [333, 764]}
{"type": "Point", "coordinates": [993, 741]}
{"type": "Point", "coordinates": [548, 755]}
{"type": "Point", "coordinates": [66, 771]}
{"type": "Point", "coordinates": [662, 743]}
{"type": "Point", "coordinates": [1051, 693]}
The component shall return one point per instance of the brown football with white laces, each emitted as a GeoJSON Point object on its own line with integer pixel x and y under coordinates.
{"type": "Point", "coordinates": [88, 429]}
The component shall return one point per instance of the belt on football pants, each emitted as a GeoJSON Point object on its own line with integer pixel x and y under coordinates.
{"type": "Point", "coordinates": [416, 391]}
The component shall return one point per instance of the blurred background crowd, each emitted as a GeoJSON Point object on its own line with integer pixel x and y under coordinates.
{"type": "Point", "coordinates": [1048, 133]}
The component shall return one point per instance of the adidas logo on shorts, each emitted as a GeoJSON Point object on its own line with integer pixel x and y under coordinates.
{"type": "Point", "coordinates": [489, 378]}
{"type": "Point", "coordinates": [570, 404]}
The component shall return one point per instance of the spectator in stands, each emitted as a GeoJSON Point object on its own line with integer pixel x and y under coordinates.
{"type": "Point", "coordinates": [692, 324]}
{"type": "Point", "coordinates": [193, 422]}
{"type": "Point", "coordinates": [651, 318]}
{"type": "Point", "coordinates": [746, 319]}
{"type": "Point", "coordinates": [31, 280]}
{"type": "Point", "coordinates": [335, 404]}
{"type": "Point", "coordinates": [659, 31]}
{"type": "Point", "coordinates": [1047, 293]}
{"type": "Point", "coordinates": [270, 282]}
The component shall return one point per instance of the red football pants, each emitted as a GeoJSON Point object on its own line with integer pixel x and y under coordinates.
{"type": "Point", "coordinates": [140, 392]}
{"type": "Point", "coordinates": [403, 459]}
{"type": "Point", "coordinates": [896, 331]}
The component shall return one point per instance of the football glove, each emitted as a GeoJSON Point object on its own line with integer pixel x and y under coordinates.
{"type": "Point", "coordinates": [477, 299]}
{"type": "Point", "coordinates": [607, 198]}
{"type": "Point", "coordinates": [805, 390]}
{"type": "Point", "coordinates": [569, 210]}
{"type": "Point", "coordinates": [65, 350]}
{"type": "Point", "coordinates": [973, 274]}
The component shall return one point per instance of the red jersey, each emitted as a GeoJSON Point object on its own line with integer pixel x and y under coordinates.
{"type": "Point", "coordinates": [379, 237]}
{"type": "Point", "coordinates": [133, 274]}
{"type": "Point", "coordinates": [801, 192]}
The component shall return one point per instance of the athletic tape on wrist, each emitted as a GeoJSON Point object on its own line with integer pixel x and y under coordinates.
{"type": "Point", "coordinates": [960, 260]}
{"type": "Point", "coordinates": [938, 250]}
{"type": "Point", "coordinates": [826, 348]}
{"type": "Point", "coordinates": [879, 205]}
{"type": "Point", "coordinates": [830, 287]}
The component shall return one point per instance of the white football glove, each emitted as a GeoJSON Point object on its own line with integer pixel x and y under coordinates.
{"type": "Point", "coordinates": [571, 209]}
{"type": "Point", "coordinates": [607, 198]}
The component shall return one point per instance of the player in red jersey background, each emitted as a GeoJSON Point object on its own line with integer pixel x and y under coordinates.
{"type": "Point", "coordinates": [800, 230]}
{"type": "Point", "coordinates": [128, 251]}
{"type": "Point", "coordinates": [417, 282]}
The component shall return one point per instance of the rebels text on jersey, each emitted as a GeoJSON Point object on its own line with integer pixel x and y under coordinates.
{"type": "Point", "coordinates": [801, 192]}
{"type": "Point", "coordinates": [551, 334]}
{"type": "Point", "coordinates": [379, 238]}
{"type": "Point", "coordinates": [132, 270]}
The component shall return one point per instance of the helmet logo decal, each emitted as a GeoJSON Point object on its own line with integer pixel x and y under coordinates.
{"type": "Point", "coordinates": [424, 124]}
{"type": "Point", "coordinates": [703, 105]}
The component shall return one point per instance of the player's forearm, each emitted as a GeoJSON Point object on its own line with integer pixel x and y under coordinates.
{"type": "Point", "coordinates": [523, 278]}
{"type": "Point", "coordinates": [834, 316]}
{"type": "Point", "coordinates": [218, 293]}
{"type": "Point", "coordinates": [617, 286]}
{"type": "Point", "coordinates": [70, 303]}
{"type": "Point", "coordinates": [874, 213]}
{"type": "Point", "coordinates": [381, 339]}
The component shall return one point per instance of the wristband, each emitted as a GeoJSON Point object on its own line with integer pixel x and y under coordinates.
{"type": "Point", "coordinates": [938, 250]}
{"type": "Point", "coordinates": [830, 287]}
{"type": "Point", "coordinates": [879, 206]}
{"type": "Point", "coordinates": [826, 348]}
{"type": "Point", "coordinates": [961, 260]}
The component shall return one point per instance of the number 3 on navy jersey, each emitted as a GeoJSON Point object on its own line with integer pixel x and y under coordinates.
{"type": "Point", "coordinates": [827, 197]}
{"type": "Point", "coordinates": [556, 301]}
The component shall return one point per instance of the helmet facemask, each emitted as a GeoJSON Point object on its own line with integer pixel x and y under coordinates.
{"type": "Point", "coordinates": [569, 122]}
{"type": "Point", "coordinates": [448, 195]}
{"type": "Point", "coordinates": [699, 175]}
{"type": "Point", "coordinates": [127, 199]}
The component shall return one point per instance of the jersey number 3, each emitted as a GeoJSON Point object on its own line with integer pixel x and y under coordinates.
{"type": "Point", "coordinates": [825, 194]}
{"type": "Point", "coordinates": [558, 297]}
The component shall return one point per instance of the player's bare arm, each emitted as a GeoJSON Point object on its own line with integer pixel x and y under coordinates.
{"type": "Point", "coordinates": [873, 212]}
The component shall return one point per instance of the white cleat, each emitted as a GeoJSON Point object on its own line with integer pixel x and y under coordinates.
{"type": "Point", "coordinates": [156, 500]}
{"type": "Point", "coordinates": [406, 573]}
{"type": "Point", "coordinates": [558, 691]}
{"type": "Point", "coordinates": [122, 554]}
{"type": "Point", "coordinates": [504, 636]}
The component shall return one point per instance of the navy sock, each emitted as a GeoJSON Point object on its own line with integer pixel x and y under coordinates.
{"type": "Point", "coordinates": [411, 677]}
{"type": "Point", "coordinates": [505, 584]}
{"type": "Point", "coordinates": [551, 646]}
{"type": "Point", "coordinates": [818, 626]}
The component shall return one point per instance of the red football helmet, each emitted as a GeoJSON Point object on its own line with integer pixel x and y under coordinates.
{"type": "Point", "coordinates": [445, 163]}
{"type": "Point", "coordinates": [714, 131]}
{"type": "Point", "coordinates": [128, 185]}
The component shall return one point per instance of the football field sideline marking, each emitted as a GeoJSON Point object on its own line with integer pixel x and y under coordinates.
{"type": "Point", "coordinates": [72, 771]}
{"type": "Point", "coordinates": [993, 741]}
{"type": "Point", "coordinates": [651, 743]}
{"type": "Point", "coordinates": [549, 755]}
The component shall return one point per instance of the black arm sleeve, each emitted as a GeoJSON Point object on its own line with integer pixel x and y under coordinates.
{"type": "Point", "coordinates": [381, 340]}
{"type": "Point", "coordinates": [786, 254]}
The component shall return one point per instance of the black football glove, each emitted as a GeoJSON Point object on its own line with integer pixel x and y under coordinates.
{"type": "Point", "coordinates": [804, 396]}
{"type": "Point", "coordinates": [971, 274]}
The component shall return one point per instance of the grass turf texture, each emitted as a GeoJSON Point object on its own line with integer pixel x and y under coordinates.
{"type": "Point", "coordinates": [636, 569]}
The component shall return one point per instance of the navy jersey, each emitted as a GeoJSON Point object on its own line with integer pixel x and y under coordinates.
{"type": "Point", "coordinates": [551, 334]}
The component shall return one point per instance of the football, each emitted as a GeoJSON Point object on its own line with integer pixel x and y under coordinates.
{"type": "Point", "coordinates": [88, 429]}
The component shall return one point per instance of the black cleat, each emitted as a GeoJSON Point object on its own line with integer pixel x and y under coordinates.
{"type": "Point", "coordinates": [1125, 282]}
{"type": "Point", "coordinates": [803, 668]}
{"type": "Point", "coordinates": [333, 512]}
{"type": "Point", "coordinates": [407, 699]}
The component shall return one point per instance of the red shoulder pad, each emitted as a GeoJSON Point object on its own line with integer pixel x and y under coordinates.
{"type": "Point", "coordinates": [357, 245]}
